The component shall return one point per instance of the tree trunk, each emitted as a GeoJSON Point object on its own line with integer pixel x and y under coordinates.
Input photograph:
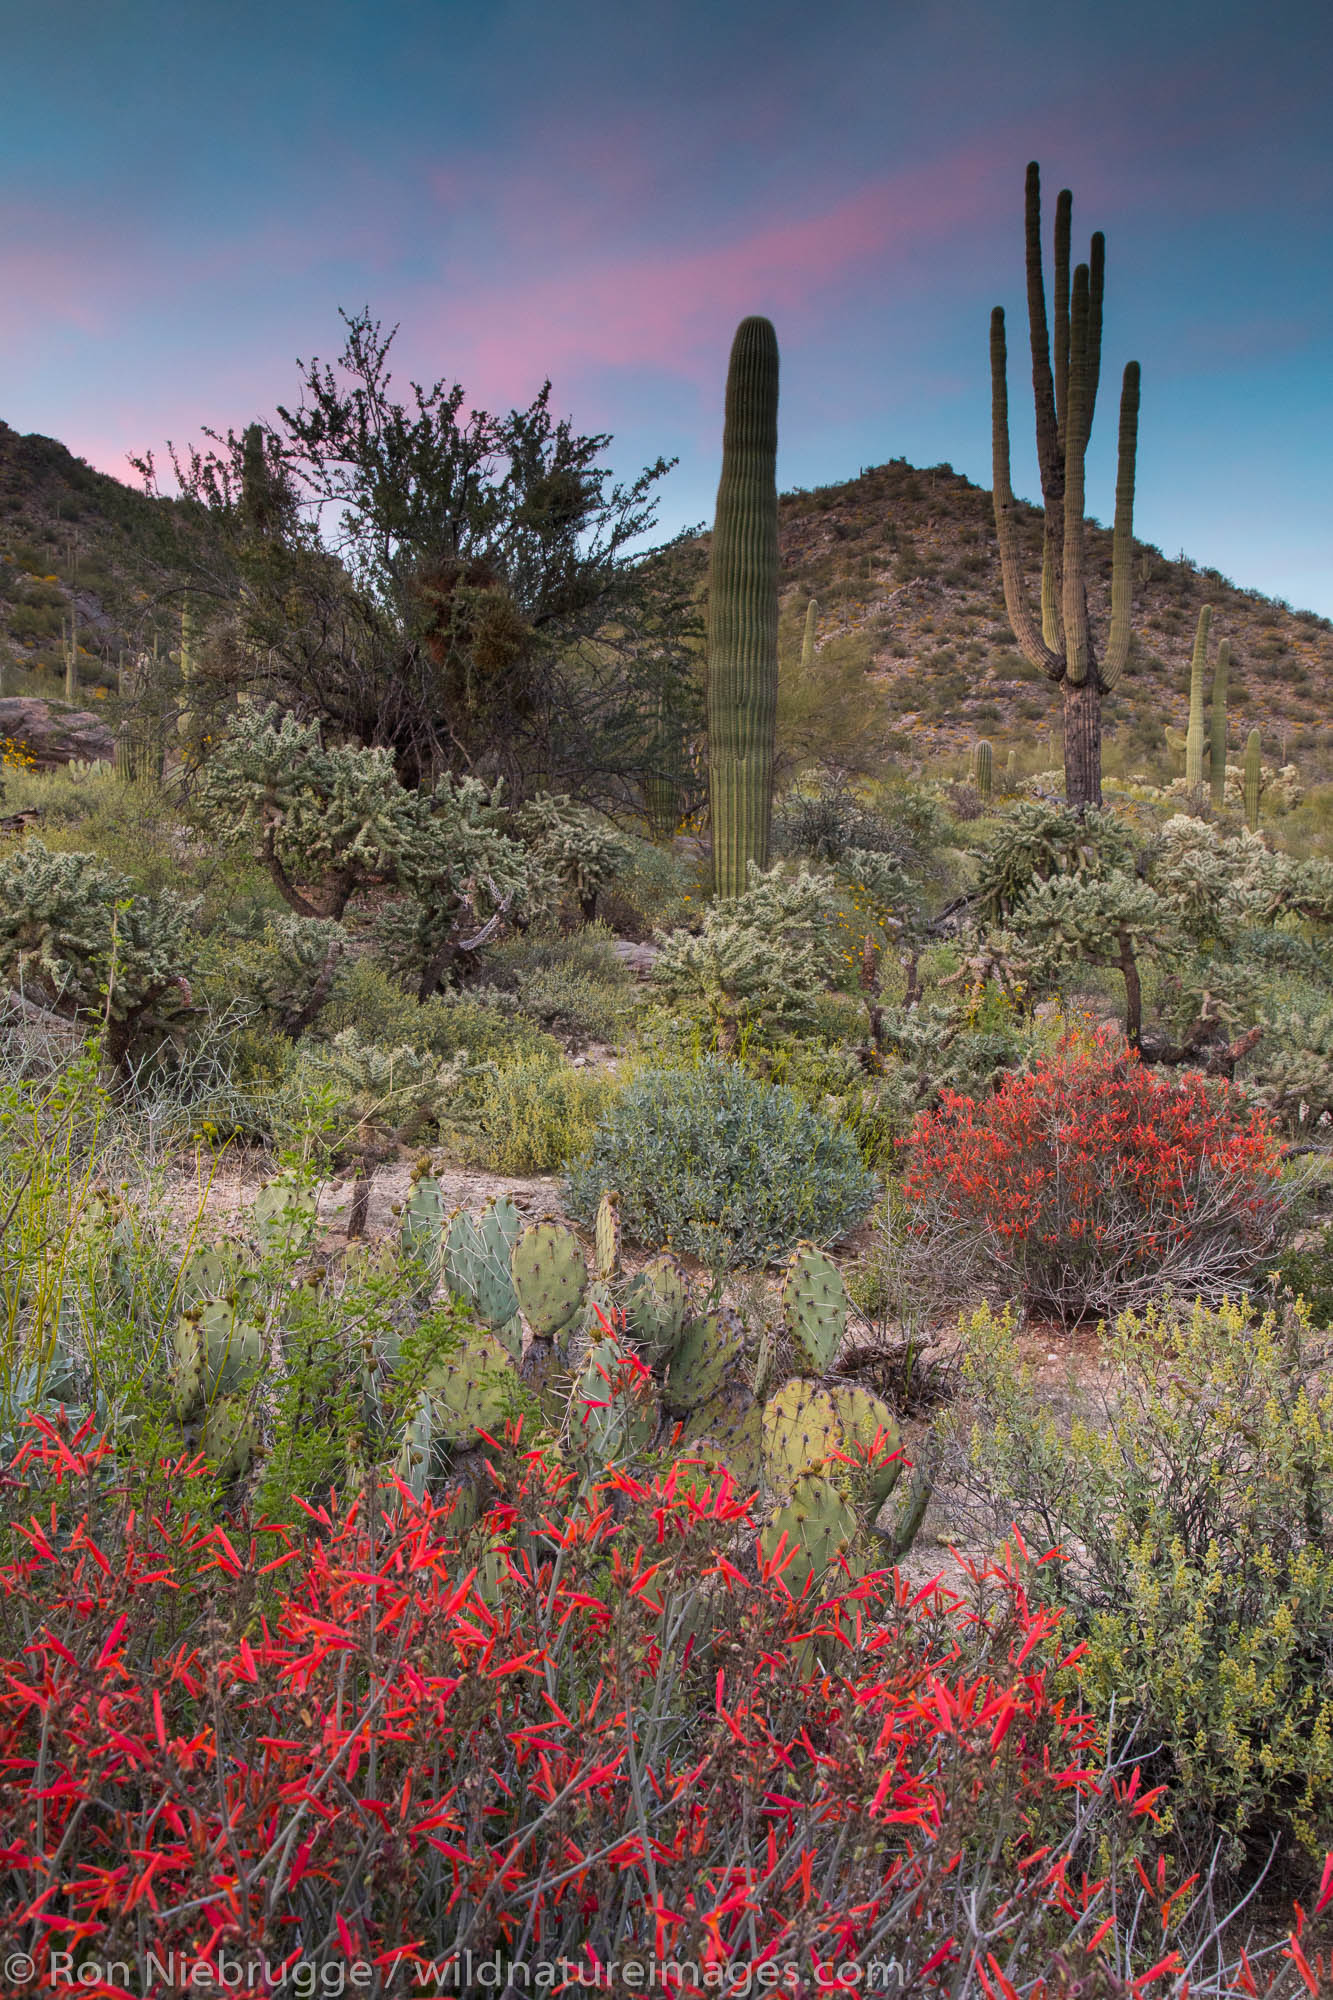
{"type": "Point", "coordinates": [356, 1221]}
{"type": "Point", "coordinates": [1083, 741]}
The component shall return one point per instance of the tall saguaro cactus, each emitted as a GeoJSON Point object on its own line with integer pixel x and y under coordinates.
{"type": "Point", "coordinates": [743, 613]}
{"type": "Point", "coordinates": [1065, 395]}
{"type": "Point", "coordinates": [982, 767]}
{"type": "Point", "coordinates": [1194, 735]}
{"type": "Point", "coordinates": [808, 640]}
{"type": "Point", "coordinates": [1253, 780]}
{"type": "Point", "coordinates": [1217, 754]}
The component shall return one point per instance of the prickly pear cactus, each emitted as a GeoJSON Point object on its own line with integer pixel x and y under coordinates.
{"type": "Point", "coordinates": [614, 1409]}
{"type": "Point", "coordinates": [819, 1526]}
{"type": "Point", "coordinates": [868, 1436]}
{"type": "Point", "coordinates": [207, 1273]}
{"type": "Point", "coordinates": [814, 1307]}
{"type": "Point", "coordinates": [606, 1237]}
{"type": "Point", "coordinates": [550, 1279]}
{"type": "Point", "coordinates": [228, 1436]}
{"type": "Point", "coordinates": [800, 1432]}
{"type": "Point", "coordinates": [730, 1425]}
{"type": "Point", "coordinates": [472, 1391]}
{"type": "Point", "coordinates": [422, 1230]}
{"type": "Point", "coordinates": [497, 1230]}
{"type": "Point", "coordinates": [709, 1350]}
{"type": "Point", "coordinates": [214, 1354]}
{"type": "Point", "coordinates": [655, 1303]}
{"type": "Point", "coordinates": [283, 1217]}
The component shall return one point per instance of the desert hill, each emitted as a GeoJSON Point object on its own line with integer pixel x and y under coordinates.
{"type": "Point", "coordinates": [901, 560]}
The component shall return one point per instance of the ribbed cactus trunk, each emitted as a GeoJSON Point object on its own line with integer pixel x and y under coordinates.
{"type": "Point", "coordinates": [1194, 735]}
{"type": "Point", "coordinates": [185, 713]}
{"type": "Point", "coordinates": [982, 769]}
{"type": "Point", "coordinates": [743, 613]}
{"type": "Point", "coordinates": [808, 641]}
{"type": "Point", "coordinates": [1253, 781]}
{"type": "Point", "coordinates": [126, 763]}
{"type": "Point", "coordinates": [72, 663]}
{"type": "Point", "coordinates": [1217, 751]}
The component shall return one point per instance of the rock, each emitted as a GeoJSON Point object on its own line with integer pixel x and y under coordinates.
{"type": "Point", "coordinates": [55, 736]}
{"type": "Point", "coordinates": [640, 958]}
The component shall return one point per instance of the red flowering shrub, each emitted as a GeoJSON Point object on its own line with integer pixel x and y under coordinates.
{"type": "Point", "coordinates": [1091, 1184]}
{"type": "Point", "coordinates": [609, 1742]}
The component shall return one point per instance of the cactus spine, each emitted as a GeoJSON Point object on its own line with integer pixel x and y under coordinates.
{"type": "Point", "coordinates": [1217, 755]}
{"type": "Point", "coordinates": [1060, 643]}
{"type": "Point", "coordinates": [982, 769]}
{"type": "Point", "coordinates": [1194, 735]}
{"type": "Point", "coordinates": [743, 613]}
{"type": "Point", "coordinates": [1253, 781]}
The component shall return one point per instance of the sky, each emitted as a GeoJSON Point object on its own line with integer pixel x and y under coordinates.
{"type": "Point", "coordinates": [599, 190]}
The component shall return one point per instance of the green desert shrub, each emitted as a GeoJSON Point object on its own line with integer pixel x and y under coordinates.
{"type": "Point", "coordinates": [573, 983]}
{"type": "Point", "coordinates": [485, 1024]}
{"type": "Point", "coordinates": [531, 1116]}
{"type": "Point", "coordinates": [732, 1170]}
{"type": "Point", "coordinates": [1191, 1502]}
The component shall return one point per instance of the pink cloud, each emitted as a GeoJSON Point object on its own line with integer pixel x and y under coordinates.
{"type": "Point", "coordinates": [664, 307]}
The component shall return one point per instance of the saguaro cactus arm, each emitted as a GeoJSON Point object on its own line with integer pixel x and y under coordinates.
{"type": "Point", "coordinates": [1194, 733]}
{"type": "Point", "coordinates": [1031, 643]}
{"type": "Point", "coordinates": [1217, 768]}
{"type": "Point", "coordinates": [1122, 538]}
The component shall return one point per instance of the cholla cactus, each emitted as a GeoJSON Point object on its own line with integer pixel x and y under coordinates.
{"type": "Point", "coordinates": [765, 956]}
{"type": "Point", "coordinates": [573, 844]}
{"type": "Point", "coordinates": [330, 824]}
{"type": "Point", "coordinates": [387, 1097]}
{"type": "Point", "coordinates": [75, 937]}
{"type": "Point", "coordinates": [325, 823]}
{"type": "Point", "coordinates": [1040, 841]}
{"type": "Point", "coordinates": [462, 875]}
{"type": "Point", "coordinates": [1106, 920]}
{"type": "Point", "coordinates": [292, 975]}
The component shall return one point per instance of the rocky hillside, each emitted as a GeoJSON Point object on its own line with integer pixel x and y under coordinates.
{"type": "Point", "coordinates": [74, 542]}
{"type": "Point", "coordinates": [902, 563]}
{"type": "Point", "coordinates": [904, 566]}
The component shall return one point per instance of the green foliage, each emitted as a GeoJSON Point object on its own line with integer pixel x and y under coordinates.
{"type": "Point", "coordinates": [714, 1163]}
{"type": "Point", "coordinates": [530, 1115]}
{"type": "Point", "coordinates": [75, 938]}
{"type": "Point", "coordinates": [760, 958]}
{"type": "Point", "coordinates": [1192, 1507]}
{"type": "Point", "coordinates": [571, 982]}
{"type": "Point", "coordinates": [484, 1024]}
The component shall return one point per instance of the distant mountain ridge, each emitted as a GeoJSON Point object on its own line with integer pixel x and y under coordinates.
{"type": "Point", "coordinates": [902, 562]}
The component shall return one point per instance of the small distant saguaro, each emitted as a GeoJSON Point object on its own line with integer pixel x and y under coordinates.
{"type": "Point", "coordinates": [743, 613]}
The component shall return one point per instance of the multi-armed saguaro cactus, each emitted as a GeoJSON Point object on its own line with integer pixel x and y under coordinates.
{"type": "Point", "coordinates": [1217, 766]}
{"type": "Point", "coordinates": [1194, 735]}
{"type": "Point", "coordinates": [1061, 644]}
{"type": "Point", "coordinates": [743, 613]}
{"type": "Point", "coordinates": [983, 764]}
{"type": "Point", "coordinates": [1253, 780]}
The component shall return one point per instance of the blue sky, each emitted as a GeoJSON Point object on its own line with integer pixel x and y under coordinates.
{"type": "Point", "coordinates": [600, 191]}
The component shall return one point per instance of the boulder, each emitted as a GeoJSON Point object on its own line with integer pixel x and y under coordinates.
{"type": "Point", "coordinates": [54, 735]}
